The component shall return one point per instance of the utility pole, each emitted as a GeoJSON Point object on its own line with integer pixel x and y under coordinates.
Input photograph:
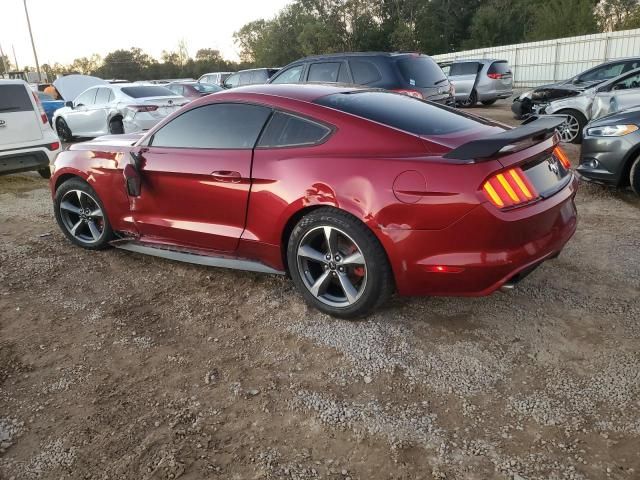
{"type": "Point", "coordinates": [35, 55]}
{"type": "Point", "coordinates": [5, 69]}
{"type": "Point", "coordinates": [15, 59]}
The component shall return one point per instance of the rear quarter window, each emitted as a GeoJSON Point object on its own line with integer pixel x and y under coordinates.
{"type": "Point", "coordinates": [364, 72]}
{"type": "Point", "coordinates": [14, 98]}
{"type": "Point", "coordinates": [400, 111]}
{"type": "Point", "coordinates": [420, 71]}
{"type": "Point", "coordinates": [284, 130]}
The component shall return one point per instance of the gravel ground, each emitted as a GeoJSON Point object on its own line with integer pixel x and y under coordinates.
{"type": "Point", "coordinates": [119, 366]}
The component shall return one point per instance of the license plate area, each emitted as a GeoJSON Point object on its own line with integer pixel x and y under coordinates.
{"type": "Point", "coordinates": [547, 175]}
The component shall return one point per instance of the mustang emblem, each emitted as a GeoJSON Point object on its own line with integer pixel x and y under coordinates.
{"type": "Point", "coordinates": [553, 166]}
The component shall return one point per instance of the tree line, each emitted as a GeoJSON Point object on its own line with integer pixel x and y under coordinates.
{"type": "Point", "coordinates": [310, 27]}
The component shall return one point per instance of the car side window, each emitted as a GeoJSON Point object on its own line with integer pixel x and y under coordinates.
{"type": "Point", "coordinates": [87, 98]}
{"type": "Point", "coordinates": [290, 75]}
{"type": "Point", "coordinates": [102, 96]}
{"type": "Point", "coordinates": [603, 73]}
{"type": "Point", "coordinates": [214, 126]}
{"type": "Point", "coordinates": [364, 72]}
{"type": "Point", "coordinates": [177, 89]}
{"type": "Point", "coordinates": [284, 130]}
{"type": "Point", "coordinates": [259, 76]}
{"type": "Point", "coordinates": [630, 82]}
{"type": "Point", "coordinates": [232, 81]}
{"type": "Point", "coordinates": [245, 78]}
{"type": "Point", "coordinates": [324, 72]}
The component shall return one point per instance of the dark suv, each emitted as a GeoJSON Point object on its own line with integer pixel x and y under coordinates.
{"type": "Point", "coordinates": [409, 73]}
{"type": "Point", "coordinates": [252, 76]}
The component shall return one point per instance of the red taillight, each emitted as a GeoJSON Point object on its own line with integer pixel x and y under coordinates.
{"type": "Point", "coordinates": [494, 76]}
{"type": "Point", "coordinates": [410, 93]}
{"type": "Point", "coordinates": [43, 114]}
{"type": "Point", "coordinates": [509, 188]}
{"type": "Point", "coordinates": [54, 146]}
{"type": "Point", "coordinates": [562, 157]}
{"type": "Point", "coordinates": [143, 108]}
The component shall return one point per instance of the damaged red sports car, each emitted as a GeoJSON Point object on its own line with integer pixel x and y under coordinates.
{"type": "Point", "coordinates": [354, 193]}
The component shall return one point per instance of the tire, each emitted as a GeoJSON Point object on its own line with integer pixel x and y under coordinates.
{"type": "Point", "coordinates": [354, 280]}
{"type": "Point", "coordinates": [45, 172]}
{"type": "Point", "coordinates": [116, 127]}
{"type": "Point", "coordinates": [489, 102]}
{"type": "Point", "coordinates": [76, 206]}
{"type": "Point", "coordinates": [634, 176]}
{"type": "Point", "coordinates": [567, 131]}
{"type": "Point", "coordinates": [471, 100]}
{"type": "Point", "coordinates": [63, 130]}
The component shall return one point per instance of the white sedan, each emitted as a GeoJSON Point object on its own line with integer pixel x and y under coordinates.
{"type": "Point", "coordinates": [113, 109]}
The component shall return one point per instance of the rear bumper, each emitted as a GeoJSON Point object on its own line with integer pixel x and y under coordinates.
{"type": "Point", "coordinates": [25, 160]}
{"type": "Point", "coordinates": [484, 250]}
{"type": "Point", "coordinates": [494, 94]}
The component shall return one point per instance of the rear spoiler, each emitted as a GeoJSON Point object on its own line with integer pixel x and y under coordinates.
{"type": "Point", "coordinates": [534, 129]}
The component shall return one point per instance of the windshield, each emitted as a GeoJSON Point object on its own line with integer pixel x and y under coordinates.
{"type": "Point", "coordinates": [147, 91]}
{"type": "Point", "coordinates": [421, 71]}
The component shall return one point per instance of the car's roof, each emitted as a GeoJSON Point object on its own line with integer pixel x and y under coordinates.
{"type": "Point", "coordinates": [13, 81]}
{"type": "Point", "coordinates": [260, 68]}
{"type": "Point", "coordinates": [304, 92]}
{"type": "Point", "coordinates": [479, 60]}
{"type": "Point", "coordinates": [360, 54]}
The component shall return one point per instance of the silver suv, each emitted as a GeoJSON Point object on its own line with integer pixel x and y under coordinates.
{"type": "Point", "coordinates": [484, 80]}
{"type": "Point", "coordinates": [27, 141]}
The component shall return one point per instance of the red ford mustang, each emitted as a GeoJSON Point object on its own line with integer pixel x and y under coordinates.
{"type": "Point", "coordinates": [354, 193]}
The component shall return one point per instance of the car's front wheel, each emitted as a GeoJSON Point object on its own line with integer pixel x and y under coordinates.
{"type": "Point", "coordinates": [81, 215]}
{"type": "Point", "coordinates": [470, 101]}
{"type": "Point", "coordinates": [338, 264]}
{"type": "Point", "coordinates": [571, 130]}
{"type": "Point", "coordinates": [634, 176]}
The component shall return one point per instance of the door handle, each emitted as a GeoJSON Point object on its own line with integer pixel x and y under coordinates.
{"type": "Point", "coordinates": [227, 176]}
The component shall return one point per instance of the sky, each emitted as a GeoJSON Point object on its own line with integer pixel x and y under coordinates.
{"type": "Point", "coordinates": [67, 29]}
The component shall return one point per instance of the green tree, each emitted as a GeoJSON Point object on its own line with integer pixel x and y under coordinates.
{"type": "Point", "coordinates": [553, 19]}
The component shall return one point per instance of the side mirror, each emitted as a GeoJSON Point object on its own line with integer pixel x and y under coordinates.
{"type": "Point", "coordinates": [68, 104]}
{"type": "Point", "coordinates": [132, 180]}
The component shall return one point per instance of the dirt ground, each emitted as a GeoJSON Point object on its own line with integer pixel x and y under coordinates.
{"type": "Point", "coordinates": [115, 365]}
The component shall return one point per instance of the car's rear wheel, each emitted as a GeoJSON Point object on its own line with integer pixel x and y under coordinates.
{"type": "Point", "coordinates": [81, 215]}
{"type": "Point", "coordinates": [571, 130]}
{"type": "Point", "coordinates": [45, 172]}
{"type": "Point", "coordinates": [116, 127]}
{"type": "Point", "coordinates": [470, 101]}
{"type": "Point", "coordinates": [489, 102]}
{"type": "Point", "coordinates": [63, 130]}
{"type": "Point", "coordinates": [634, 176]}
{"type": "Point", "coordinates": [338, 264]}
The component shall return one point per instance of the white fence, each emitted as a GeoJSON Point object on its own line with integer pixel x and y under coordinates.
{"type": "Point", "coordinates": [537, 63]}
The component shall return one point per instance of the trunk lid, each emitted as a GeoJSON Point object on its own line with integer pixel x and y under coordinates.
{"type": "Point", "coordinates": [166, 105]}
{"type": "Point", "coordinates": [19, 120]}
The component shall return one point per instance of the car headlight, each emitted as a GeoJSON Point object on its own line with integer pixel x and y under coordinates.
{"type": "Point", "coordinates": [611, 130]}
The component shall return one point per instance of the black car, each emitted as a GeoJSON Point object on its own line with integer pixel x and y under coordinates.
{"type": "Point", "coordinates": [413, 74]}
{"type": "Point", "coordinates": [611, 150]}
{"type": "Point", "coordinates": [252, 76]}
